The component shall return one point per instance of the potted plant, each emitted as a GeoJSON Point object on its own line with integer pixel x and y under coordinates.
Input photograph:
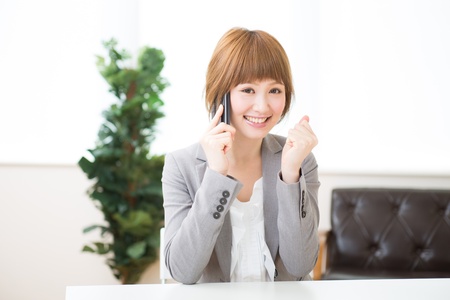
{"type": "Point", "coordinates": [127, 179]}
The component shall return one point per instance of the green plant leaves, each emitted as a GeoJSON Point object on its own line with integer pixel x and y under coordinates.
{"type": "Point", "coordinates": [99, 248]}
{"type": "Point", "coordinates": [137, 222]}
{"type": "Point", "coordinates": [137, 250]}
{"type": "Point", "coordinates": [90, 228]}
{"type": "Point", "coordinates": [126, 178]}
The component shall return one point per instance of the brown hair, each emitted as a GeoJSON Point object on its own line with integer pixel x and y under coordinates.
{"type": "Point", "coordinates": [243, 56]}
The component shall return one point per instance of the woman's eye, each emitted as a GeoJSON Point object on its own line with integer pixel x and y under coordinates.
{"type": "Point", "coordinates": [275, 91]}
{"type": "Point", "coordinates": [248, 91]}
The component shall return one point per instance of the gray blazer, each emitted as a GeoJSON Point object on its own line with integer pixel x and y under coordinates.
{"type": "Point", "coordinates": [198, 230]}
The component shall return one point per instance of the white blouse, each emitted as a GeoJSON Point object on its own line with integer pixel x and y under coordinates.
{"type": "Point", "coordinates": [250, 256]}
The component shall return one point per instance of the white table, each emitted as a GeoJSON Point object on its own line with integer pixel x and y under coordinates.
{"type": "Point", "coordinates": [395, 289]}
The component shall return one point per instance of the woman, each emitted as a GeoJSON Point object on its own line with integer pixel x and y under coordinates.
{"type": "Point", "coordinates": [241, 205]}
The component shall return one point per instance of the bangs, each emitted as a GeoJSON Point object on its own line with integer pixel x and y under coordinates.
{"type": "Point", "coordinates": [255, 62]}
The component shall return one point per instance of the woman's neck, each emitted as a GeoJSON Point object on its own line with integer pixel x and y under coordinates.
{"type": "Point", "coordinates": [245, 164]}
{"type": "Point", "coordinates": [244, 150]}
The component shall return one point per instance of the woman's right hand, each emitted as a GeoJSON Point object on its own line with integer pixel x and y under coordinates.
{"type": "Point", "coordinates": [217, 141]}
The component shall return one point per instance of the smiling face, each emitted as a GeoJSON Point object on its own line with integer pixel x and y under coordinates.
{"type": "Point", "coordinates": [245, 57]}
{"type": "Point", "coordinates": [256, 107]}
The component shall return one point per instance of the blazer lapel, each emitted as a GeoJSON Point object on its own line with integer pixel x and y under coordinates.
{"type": "Point", "coordinates": [271, 157]}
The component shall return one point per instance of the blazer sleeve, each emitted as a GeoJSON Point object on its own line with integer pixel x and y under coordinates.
{"type": "Point", "coordinates": [193, 218]}
{"type": "Point", "coordinates": [298, 220]}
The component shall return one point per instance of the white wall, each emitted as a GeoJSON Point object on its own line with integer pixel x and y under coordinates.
{"type": "Point", "coordinates": [384, 93]}
{"type": "Point", "coordinates": [373, 75]}
{"type": "Point", "coordinates": [52, 94]}
{"type": "Point", "coordinates": [44, 209]}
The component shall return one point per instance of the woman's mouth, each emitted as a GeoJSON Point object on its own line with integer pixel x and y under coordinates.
{"type": "Point", "coordinates": [256, 120]}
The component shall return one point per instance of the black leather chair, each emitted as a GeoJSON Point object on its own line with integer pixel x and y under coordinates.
{"type": "Point", "coordinates": [387, 233]}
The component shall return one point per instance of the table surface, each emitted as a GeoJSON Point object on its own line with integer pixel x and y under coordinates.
{"type": "Point", "coordinates": [386, 289]}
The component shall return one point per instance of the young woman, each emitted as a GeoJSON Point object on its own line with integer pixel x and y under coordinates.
{"type": "Point", "coordinates": [241, 204]}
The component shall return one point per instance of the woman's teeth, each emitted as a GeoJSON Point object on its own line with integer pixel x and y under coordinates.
{"type": "Point", "coordinates": [256, 120]}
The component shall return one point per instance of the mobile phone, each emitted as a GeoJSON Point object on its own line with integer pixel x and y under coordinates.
{"type": "Point", "coordinates": [226, 109]}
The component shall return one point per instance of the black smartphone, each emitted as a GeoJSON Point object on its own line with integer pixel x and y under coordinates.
{"type": "Point", "coordinates": [226, 109]}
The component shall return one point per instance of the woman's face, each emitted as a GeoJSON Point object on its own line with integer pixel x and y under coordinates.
{"type": "Point", "coordinates": [256, 107]}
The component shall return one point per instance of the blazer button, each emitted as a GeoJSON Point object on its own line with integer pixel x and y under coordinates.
{"type": "Point", "coordinates": [223, 201]}
{"type": "Point", "coordinates": [219, 208]}
{"type": "Point", "coordinates": [226, 194]}
{"type": "Point", "coordinates": [216, 215]}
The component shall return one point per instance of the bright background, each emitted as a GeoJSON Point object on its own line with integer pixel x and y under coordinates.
{"type": "Point", "coordinates": [372, 75]}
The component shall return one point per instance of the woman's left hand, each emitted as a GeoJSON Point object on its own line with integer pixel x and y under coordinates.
{"type": "Point", "coordinates": [299, 143]}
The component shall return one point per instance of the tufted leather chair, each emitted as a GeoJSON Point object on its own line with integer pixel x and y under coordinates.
{"type": "Point", "coordinates": [387, 233]}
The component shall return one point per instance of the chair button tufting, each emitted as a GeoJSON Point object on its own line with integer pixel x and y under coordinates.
{"type": "Point", "coordinates": [395, 210]}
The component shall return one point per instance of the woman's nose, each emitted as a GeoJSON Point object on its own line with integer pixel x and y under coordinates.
{"type": "Point", "coordinates": [261, 102]}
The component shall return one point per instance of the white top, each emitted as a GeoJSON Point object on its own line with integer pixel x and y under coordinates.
{"type": "Point", "coordinates": [250, 256]}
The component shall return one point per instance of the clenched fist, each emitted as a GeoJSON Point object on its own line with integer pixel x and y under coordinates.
{"type": "Point", "coordinates": [299, 143]}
